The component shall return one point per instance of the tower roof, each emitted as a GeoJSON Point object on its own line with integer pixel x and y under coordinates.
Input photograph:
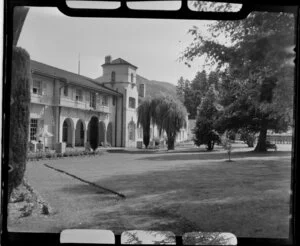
{"type": "Point", "coordinates": [119, 61]}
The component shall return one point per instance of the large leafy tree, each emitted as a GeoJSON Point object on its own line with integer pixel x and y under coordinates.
{"type": "Point", "coordinates": [204, 129]}
{"type": "Point", "coordinates": [257, 68]}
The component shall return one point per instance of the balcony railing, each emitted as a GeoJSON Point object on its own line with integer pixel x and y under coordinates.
{"type": "Point", "coordinates": [41, 99]}
{"type": "Point", "coordinates": [83, 105]}
{"type": "Point", "coordinates": [68, 102]}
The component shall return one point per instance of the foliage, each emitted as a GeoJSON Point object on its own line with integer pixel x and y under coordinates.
{"type": "Point", "coordinates": [204, 129]}
{"type": "Point", "coordinates": [94, 133]}
{"type": "Point", "coordinates": [247, 137]}
{"type": "Point", "coordinates": [170, 116]}
{"type": "Point", "coordinates": [226, 142]}
{"type": "Point", "coordinates": [144, 119]}
{"type": "Point", "coordinates": [191, 93]}
{"type": "Point", "coordinates": [180, 89]}
{"type": "Point", "coordinates": [19, 116]}
{"type": "Point", "coordinates": [257, 78]}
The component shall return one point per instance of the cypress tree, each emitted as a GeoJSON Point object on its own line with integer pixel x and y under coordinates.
{"type": "Point", "coordinates": [19, 116]}
{"type": "Point", "coordinates": [94, 133]}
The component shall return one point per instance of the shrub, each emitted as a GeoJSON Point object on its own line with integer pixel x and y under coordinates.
{"type": "Point", "coordinates": [156, 141]}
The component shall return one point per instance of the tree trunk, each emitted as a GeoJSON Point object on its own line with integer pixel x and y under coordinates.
{"type": "Point", "coordinates": [171, 143]}
{"type": "Point", "coordinates": [146, 138]}
{"type": "Point", "coordinates": [210, 145]}
{"type": "Point", "coordinates": [261, 144]}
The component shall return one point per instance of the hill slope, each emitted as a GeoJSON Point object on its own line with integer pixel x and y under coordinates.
{"type": "Point", "coordinates": [154, 87]}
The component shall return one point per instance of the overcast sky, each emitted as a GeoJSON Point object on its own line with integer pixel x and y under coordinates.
{"type": "Point", "coordinates": [154, 46]}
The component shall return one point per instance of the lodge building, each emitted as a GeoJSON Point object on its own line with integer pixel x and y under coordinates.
{"type": "Point", "coordinates": [63, 104]}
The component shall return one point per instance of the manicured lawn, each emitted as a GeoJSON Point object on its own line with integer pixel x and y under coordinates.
{"type": "Point", "coordinates": [183, 191]}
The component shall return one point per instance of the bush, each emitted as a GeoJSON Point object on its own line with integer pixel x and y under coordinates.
{"type": "Point", "coordinates": [156, 141]}
{"type": "Point", "coordinates": [247, 137]}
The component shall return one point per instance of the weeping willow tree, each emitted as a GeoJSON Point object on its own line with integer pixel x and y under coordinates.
{"type": "Point", "coordinates": [169, 115]}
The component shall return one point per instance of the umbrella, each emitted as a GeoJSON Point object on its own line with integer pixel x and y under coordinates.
{"type": "Point", "coordinates": [43, 133]}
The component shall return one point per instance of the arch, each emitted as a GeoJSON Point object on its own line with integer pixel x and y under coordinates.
{"type": "Point", "coordinates": [109, 134]}
{"type": "Point", "coordinates": [68, 128]}
{"type": "Point", "coordinates": [102, 133]}
{"type": "Point", "coordinates": [79, 133]}
{"type": "Point", "coordinates": [131, 131]}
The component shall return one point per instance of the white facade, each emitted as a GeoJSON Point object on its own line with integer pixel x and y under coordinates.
{"type": "Point", "coordinates": [63, 104]}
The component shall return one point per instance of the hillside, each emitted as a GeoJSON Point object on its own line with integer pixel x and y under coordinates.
{"type": "Point", "coordinates": [154, 87]}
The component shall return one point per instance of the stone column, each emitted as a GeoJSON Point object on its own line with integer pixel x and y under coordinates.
{"type": "Point", "coordinates": [84, 136]}
{"type": "Point", "coordinates": [73, 137]}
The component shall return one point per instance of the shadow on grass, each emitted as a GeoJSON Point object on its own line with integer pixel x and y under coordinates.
{"type": "Point", "coordinates": [84, 189]}
{"type": "Point", "coordinates": [203, 198]}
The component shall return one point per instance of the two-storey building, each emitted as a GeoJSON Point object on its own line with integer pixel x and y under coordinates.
{"type": "Point", "coordinates": [63, 104]}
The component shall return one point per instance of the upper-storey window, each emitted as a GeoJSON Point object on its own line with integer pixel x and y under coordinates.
{"type": "Point", "coordinates": [105, 100]}
{"type": "Point", "coordinates": [78, 95]}
{"type": "Point", "coordinates": [131, 79]}
{"type": "Point", "coordinates": [131, 102]}
{"type": "Point", "coordinates": [93, 100]}
{"type": "Point", "coordinates": [37, 87]}
{"type": "Point", "coordinates": [113, 76]}
{"type": "Point", "coordinates": [66, 89]}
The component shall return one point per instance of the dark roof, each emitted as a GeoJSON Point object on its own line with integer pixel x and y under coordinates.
{"type": "Point", "coordinates": [69, 77]}
{"type": "Point", "coordinates": [119, 61]}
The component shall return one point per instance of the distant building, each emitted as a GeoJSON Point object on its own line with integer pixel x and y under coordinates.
{"type": "Point", "coordinates": [63, 103]}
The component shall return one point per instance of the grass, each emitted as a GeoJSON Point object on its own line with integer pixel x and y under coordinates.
{"type": "Point", "coordinates": [182, 191]}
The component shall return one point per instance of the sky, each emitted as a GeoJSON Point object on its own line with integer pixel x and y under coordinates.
{"type": "Point", "coordinates": [154, 46]}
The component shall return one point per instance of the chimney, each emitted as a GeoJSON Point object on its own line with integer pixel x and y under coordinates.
{"type": "Point", "coordinates": [107, 59]}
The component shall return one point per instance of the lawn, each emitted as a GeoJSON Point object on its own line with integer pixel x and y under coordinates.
{"type": "Point", "coordinates": [182, 191]}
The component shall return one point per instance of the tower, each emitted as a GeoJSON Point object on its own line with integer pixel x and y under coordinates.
{"type": "Point", "coordinates": [120, 75]}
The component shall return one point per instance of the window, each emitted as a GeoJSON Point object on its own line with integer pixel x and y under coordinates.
{"type": "Point", "coordinates": [131, 102]}
{"type": "Point", "coordinates": [33, 128]}
{"type": "Point", "coordinates": [105, 100]}
{"type": "Point", "coordinates": [37, 87]}
{"type": "Point", "coordinates": [131, 79]}
{"type": "Point", "coordinates": [78, 95]}
{"type": "Point", "coordinates": [113, 76]}
{"type": "Point", "coordinates": [142, 90]}
{"type": "Point", "coordinates": [66, 91]}
{"type": "Point", "coordinates": [114, 101]}
{"type": "Point", "coordinates": [131, 131]}
{"type": "Point", "coordinates": [93, 100]}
